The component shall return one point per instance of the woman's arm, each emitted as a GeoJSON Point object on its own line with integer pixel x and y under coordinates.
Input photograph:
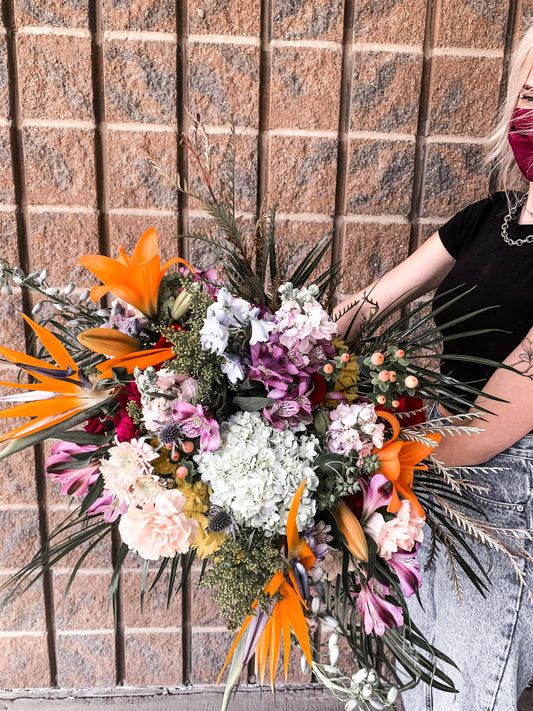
{"type": "Point", "coordinates": [416, 275]}
{"type": "Point", "coordinates": [510, 420]}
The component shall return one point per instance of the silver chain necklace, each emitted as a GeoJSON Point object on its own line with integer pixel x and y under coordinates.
{"type": "Point", "coordinates": [513, 211]}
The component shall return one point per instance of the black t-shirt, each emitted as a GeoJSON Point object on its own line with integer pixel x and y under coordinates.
{"type": "Point", "coordinates": [502, 276]}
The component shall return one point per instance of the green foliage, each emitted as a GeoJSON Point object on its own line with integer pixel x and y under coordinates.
{"type": "Point", "coordinates": [241, 569]}
{"type": "Point", "coordinates": [251, 266]}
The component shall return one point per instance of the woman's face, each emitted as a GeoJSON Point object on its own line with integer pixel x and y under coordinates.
{"type": "Point", "coordinates": [525, 97]}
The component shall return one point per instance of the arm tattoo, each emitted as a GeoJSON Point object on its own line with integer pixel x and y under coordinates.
{"type": "Point", "coordinates": [525, 359]}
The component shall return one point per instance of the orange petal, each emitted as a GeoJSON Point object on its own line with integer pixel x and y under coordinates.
{"type": "Point", "coordinates": [146, 248]}
{"type": "Point", "coordinates": [292, 531]}
{"type": "Point", "coordinates": [108, 341]}
{"type": "Point", "coordinates": [234, 645]}
{"type": "Point", "coordinates": [392, 420]}
{"type": "Point", "coordinates": [176, 260]}
{"type": "Point", "coordinates": [275, 643]}
{"type": "Point", "coordinates": [352, 531]}
{"type": "Point", "coordinates": [53, 345]}
{"type": "Point", "coordinates": [130, 361]}
{"type": "Point", "coordinates": [109, 271]}
{"type": "Point", "coordinates": [292, 608]}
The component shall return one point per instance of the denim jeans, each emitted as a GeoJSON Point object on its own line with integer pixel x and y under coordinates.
{"type": "Point", "coordinates": [489, 638]}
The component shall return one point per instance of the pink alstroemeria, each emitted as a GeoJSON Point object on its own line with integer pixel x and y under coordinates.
{"type": "Point", "coordinates": [109, 506]}
{"type": "Point", "coordinates": [75, 480]}
{"type": "Point", "coordinates": [377, 613]}
{"type": "Point", "coordinates": [407, 568]}
{"type": "Point", "coordinates": [194, 423]}
{"type": "Point", "coordinates": [376, 494]}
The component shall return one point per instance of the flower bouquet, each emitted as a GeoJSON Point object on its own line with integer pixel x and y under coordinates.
{"type": "Point", "coordinates": [220, 415]}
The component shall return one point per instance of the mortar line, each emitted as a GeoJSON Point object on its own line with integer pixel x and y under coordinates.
{"type": "Point", "coordinates": [431, 29]}
{"type": "Point", "coordinates": [96, 25]}
{"type": "Point", "coordinates": [182, 118]}
{"type": "Point", "coordinates": [265, 108]}
{"type": "Point", "coordinates": [23, 242]}
{"type": "Point", "coordinates": [513, 24]}
{"type": "Point", "coordinates": [182, 166]}
{"type": "Point", "coordinates": [343, 139]}
{"type": "Point", "coordinates": [467, 52]}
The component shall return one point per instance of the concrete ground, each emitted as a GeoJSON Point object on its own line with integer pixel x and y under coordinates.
{"type": "Point", "coordinates": [306, 698]}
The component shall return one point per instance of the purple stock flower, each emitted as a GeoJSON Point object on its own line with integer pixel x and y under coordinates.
{"type": "Point", "coordinates": [194, 423]}
{"type": "Point", "coordinates": [75, 480]}
{"type": "Point", "coordinates": [376, 612]}
{"type": "Point", "coordinates": [407, 568]}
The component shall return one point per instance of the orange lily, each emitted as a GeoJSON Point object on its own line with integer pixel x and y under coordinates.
{"type": "Point", "coordinates": [60, 393]}
{"type": "Point", "coordinates": [398, 461]}
{"type": "Point", "coordinates": [351, 529]}
{"type": "Point", "coordinates": [134, 279]}
{"type": "Point", "coordinates": [286, 613]}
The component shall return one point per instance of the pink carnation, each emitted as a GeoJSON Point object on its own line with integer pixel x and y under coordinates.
{"type": "Point", "coordinates": [127, 462]}
{"type": "Point", "coordinates": [400, 532]}
{"type": "Point", "coordinates": [159, 528]}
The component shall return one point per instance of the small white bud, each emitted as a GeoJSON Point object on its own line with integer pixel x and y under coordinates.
{"type": "Point", "coordinates": [43, 275]}
{"type": "Point", "coordinates": [367, 691]}
{"type": "Point", "coordinates": [102, 312]}
{"type": "Point", "coordinates": [69, 289]}
{"type": "Point", "coordinates": [17, 280]}
{"type": "Point", "coordinates": [333, 640]}
{"type": "Point", "coordinates": [351, 705]}
{"type": "Point", "coordinates": [17, 271]}
{"type": "Point", "coordinates": [334, 654]}
{"type": "Point", "coordinates": [8, 291]}
{"type": "Point", "coordinates": [51, 291]}
{"type": "Point", "coordinates": [84, 295]}
{"type": "Point", "coordinates": [306, 669]}
{"type": "Point", "coordinates": [372, 677]}
{"type": "Point", "coordinates": [74, 309]}
{"type": "Point", "coordinates": [360, 676]}
{"type": "Point", "coordinates": [392, 695]}
{"type": "Point", "coordinates": [59, 307]}
{"type": "Point", "coordinates": [315, 605]}
{"type": "Point", "coordinates": [33, 275]}
{"type": "Point", "coordinates": [331, 622]}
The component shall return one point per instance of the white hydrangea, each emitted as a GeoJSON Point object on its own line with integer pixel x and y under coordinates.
{"type": "Point", "coordinates": [256, 471]}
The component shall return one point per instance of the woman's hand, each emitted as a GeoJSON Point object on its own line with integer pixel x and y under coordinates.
{"type": "Point", "coordinates": [509, 421]}
{"type": "Point", "coordinates": [416, 275]}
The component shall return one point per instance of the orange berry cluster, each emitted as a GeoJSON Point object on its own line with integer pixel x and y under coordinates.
{"type": "Point", "coordinates": [389, 376]}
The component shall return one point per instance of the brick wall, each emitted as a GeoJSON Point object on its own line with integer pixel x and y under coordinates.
{"type": "Point", "coordinates": [365, 117]}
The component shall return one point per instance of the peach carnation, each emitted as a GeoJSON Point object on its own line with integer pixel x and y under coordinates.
{"type": "Point", "coordinates": [400, 532]}
{"type": "Point", "coordinates": [125, 464]}
{"type": "Point", "coordinates": [159, 528]}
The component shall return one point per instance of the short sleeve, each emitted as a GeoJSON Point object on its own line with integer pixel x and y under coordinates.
{"type": "Point", "coordinates": [454, 233]}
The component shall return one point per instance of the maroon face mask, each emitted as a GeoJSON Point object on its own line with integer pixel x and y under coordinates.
{"type": "Point", "coordinates": [520, 138]}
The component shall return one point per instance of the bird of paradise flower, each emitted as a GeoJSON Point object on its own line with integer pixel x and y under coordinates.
{"type": "Point", "coordinates": [61, 391]}
{"type": "Point", "coordinates": [288, 590]}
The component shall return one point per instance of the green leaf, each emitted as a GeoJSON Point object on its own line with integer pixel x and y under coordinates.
{"type": "Point", "coordinates": [252, 404]}
{"type": "Point", "coordinates": [235, 670]}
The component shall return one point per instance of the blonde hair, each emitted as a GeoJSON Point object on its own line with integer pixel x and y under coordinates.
{"type": "Point", "coordinates": [500, 155]}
